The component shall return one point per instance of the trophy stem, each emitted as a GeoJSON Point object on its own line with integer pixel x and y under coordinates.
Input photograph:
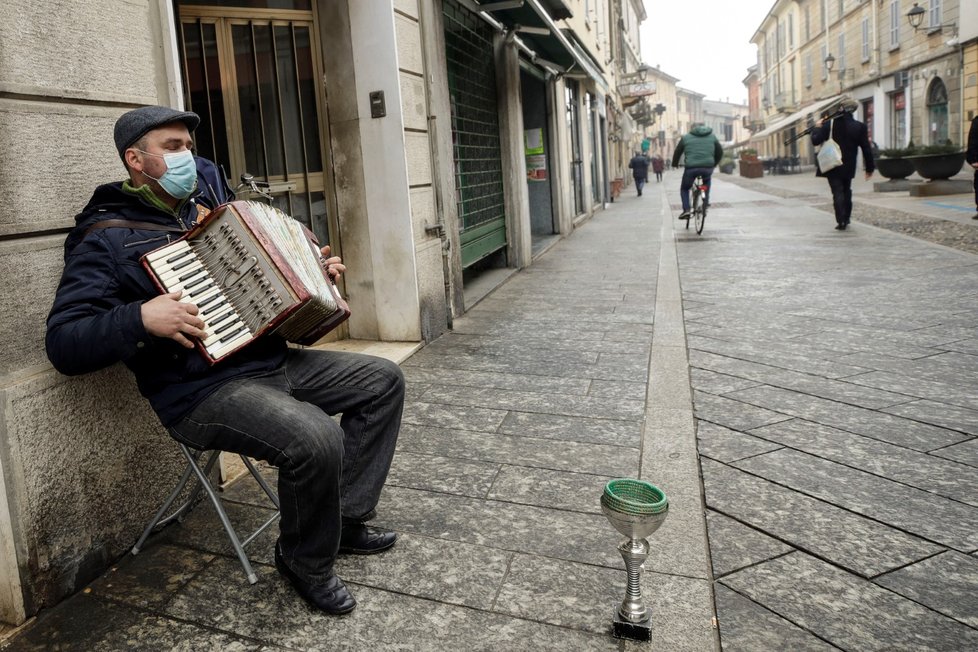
{"type": "Point", "coordinates": [634, 552]}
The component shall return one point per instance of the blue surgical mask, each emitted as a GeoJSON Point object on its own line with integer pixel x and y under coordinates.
{"type": "Point", "coordinates": [180, 178]}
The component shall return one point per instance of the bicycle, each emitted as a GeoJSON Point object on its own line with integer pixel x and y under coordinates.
{"type": "Point", "coordinates": [253, 188]}
{"type": "Point", "coordinates": [698, 212]}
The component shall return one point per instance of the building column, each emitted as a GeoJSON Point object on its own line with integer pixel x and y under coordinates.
{"type": "Point", "coordinates": [519, 248]}
{"type": "Point", "coordinates": [370, 168]}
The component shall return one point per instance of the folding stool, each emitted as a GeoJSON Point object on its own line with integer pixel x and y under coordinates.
{"type": "Point", "coordinates": [203, 482]}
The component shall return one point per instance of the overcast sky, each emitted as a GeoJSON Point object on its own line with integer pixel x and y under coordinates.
{"type": "Point", "coordinates": [705, 43]}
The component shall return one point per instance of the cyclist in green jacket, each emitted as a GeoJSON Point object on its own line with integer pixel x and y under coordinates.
{"type": "Point", "coordinates": [703, 153]}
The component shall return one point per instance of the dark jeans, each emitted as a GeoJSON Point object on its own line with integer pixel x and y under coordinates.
{"type": "Point", "coordinates": [976, 189]}
{"type": "Point", "coordinates": [658, 176]}
{"type": "Point", "coordinates": [689, 175]}
{"type": "Point", "coordinates": [327, 470]}
{"type": "Point", "coordinates": [841, 198]}
{"type": "Point", "coordinates": [639, 184]}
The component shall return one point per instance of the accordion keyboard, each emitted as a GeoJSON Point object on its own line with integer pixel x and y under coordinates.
{"type": "Point", "coordinates": [220, 274]}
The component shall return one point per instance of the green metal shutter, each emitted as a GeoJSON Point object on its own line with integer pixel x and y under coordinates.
{"type": "Point", "coordinates": [475, 133]}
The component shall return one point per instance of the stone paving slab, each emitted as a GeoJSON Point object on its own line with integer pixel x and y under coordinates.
{"type": "Point", "coordinates": [734, 366]}
{"type": "Point", "coordinates": [746, 626]}
{"type": "Point", "coordinates": [718, 384]}
{"type": "Point", "coordinates": [94, 624]}
{"type": "Point", "coordinates": [953, 394]}
{"type": "Point", "coordinates": [965, 452]}
{"type": "Point", "coordinates": [736, 415]}
{"type": "Point", "coordinates": [947, 583]}
{"type": "Point", "coordinates": [415, 376]}
{"type": "Point", "coordinates": [444, 474]}
{"type": "Point", "coordinates": [579, 429]}
{"type": "Point", "coordinates": [921, 470]}
{"type": "Point", "coordinates": [571, 536]}
{"type": "Point", "coordinates": [526, 448]}
{"type": "Point", "coordinates": [553, 489]}
{"type": "Point", "coordinates": [577, 595]}
{"type": "Point", "coordinates": [937, 368]}
{"type": "Point", "coordinates": [726, 445]}
{"type": "Point", "coordinates": [428, 567]}
{"type": "Point", "coordinates": [734, 545]}
{"type": "Point", "coordinates": [939, 414]}
{"type": "Point", "coordinates": [524, 401]}
{"type": "Point", "coordinates": [861, 545]}
{"type": "Point", "coordinates": [889, 428]}
{"type": "Point", "coordinates": [914, 511]}
{"type": "Point", "coordinates": [844, 610]}
{"type": "Point", "coordinates": [150, 579]}
{"type": "Point", "coordinates": [271, 611]}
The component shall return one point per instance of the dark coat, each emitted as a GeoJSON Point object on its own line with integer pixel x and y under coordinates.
{"type": "Point", "coordinates": [971, 155]}
{"type": "Point", "coordinates": [658, 164]}
{"type": "Point", "coordinates": [851, 135]}
{"type": "Point", "coordinates": [96, 320]}
{"type": "Point", "coordinates": [640, 166]}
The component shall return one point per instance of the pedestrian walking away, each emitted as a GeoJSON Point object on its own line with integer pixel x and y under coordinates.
{"type": "Point", "coordinates": [267, 400]}
{"type": "Point", "coordinates": [658, 165]}
{"type": "Point", "coordinates": [640, 170]}
{"type": "Point", "coordinates": [851, 136]}
{"type": "Point", "coordinates": [972, 158]}
{"type": "Point", "coordinates": [702, 152]}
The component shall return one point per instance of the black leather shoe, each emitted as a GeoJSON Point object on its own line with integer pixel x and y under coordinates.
{"type": "Point", "coordinates": [332, 596]}
{"type": "Point", "coordinates": [840, 227]}
{"type": "Point", "coordinates": [362, 539]}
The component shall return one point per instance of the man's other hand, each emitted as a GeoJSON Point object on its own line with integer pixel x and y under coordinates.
{"type": "Point", "coordinates": [166, 316]}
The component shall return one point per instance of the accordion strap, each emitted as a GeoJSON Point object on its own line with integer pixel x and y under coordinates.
{"type": "Point", "coordinates": [132, 224]}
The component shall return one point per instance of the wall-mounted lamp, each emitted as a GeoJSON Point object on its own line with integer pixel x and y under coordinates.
{"type": "Point", "coordinates": [916, 17]}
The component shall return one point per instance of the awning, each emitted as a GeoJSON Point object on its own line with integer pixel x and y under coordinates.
{"type": "Point", "coordinates": [802, 114]}
{"type": "Point", "coordinates": [532, 22]}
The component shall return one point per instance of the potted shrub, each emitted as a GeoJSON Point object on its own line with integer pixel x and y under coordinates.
{"type": "Point", "coordinates": [940, 161]}
{"type": "Point", "coordinates": [750, 167]}
{"type": "Point", "coordinates": [893, 163]}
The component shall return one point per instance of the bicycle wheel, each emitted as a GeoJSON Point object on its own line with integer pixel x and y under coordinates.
{"type": "Point", "coordinates": [695, 206]}
{"type": "Point", "coordinates": [700, 217]}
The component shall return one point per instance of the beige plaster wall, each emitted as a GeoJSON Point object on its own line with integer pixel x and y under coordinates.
{"type": "Point", "coordinates": [86, 463]}
{"type": "Point", "coordinates": [83, 461]}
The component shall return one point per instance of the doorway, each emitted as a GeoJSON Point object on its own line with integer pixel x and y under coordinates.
{"type": "Point", "coordinates": [536, 142]}
{"type": "Point", "coordinates": [251, 70]}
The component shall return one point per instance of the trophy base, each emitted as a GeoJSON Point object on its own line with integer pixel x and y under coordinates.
{"type": "Point", "coordinates": [622, 628]}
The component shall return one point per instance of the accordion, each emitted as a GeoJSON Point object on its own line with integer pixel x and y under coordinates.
{"type": "Point", "coordinates": [251, 270]}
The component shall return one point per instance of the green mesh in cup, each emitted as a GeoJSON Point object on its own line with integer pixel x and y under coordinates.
{"type": "Point", "coordinates": [637, 497]}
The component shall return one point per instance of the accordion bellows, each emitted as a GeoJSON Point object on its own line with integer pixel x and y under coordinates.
{"type": "Point", "coordinates": [251, 270]}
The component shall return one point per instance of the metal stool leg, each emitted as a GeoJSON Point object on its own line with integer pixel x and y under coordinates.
{"type": "Point", "coordinates": [202, 474]}
{"type": "Point", "coordinates": [216, 501]}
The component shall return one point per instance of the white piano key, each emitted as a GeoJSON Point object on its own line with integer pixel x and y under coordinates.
{"type": "Point", "coordinates": [168, 250]}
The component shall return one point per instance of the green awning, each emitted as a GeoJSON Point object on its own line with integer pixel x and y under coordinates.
{"type": "Point", "coordinates": [533, 22]}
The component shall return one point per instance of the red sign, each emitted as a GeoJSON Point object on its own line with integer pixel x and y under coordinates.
{"type": "Point", "coordinates": [899, 101]}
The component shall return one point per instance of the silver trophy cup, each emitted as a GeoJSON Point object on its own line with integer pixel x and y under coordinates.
{"type": "Point", "coordinates": [636, 509]}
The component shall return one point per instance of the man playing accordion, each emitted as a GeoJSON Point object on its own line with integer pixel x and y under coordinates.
{"type": "Point", "coordinates": [267, 400]}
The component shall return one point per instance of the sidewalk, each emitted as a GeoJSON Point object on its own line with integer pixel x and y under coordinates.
{"type": "Point", "coordinates": [834, 376]}
{"type": "Point", "coordinates": [514, 423]}
{"type": "Point", "coordinates": [836, 421]}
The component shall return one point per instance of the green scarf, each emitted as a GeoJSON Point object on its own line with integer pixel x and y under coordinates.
{"type": "Point", "coordinates": [147, 196]}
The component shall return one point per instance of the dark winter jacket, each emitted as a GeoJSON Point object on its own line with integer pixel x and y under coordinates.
{"type": "Point", "coordinates": [971, 155]}
{"type": "Point", "coordinates": [96, 320]}
{"type": "Point", "coordinates": [851, 135]}
{"type": "Point", "coordinates": [640, 166]}
{"type": "Point", "coordinates": [701, 147]}
{"type": "Point", "coordinates": [658, 164]}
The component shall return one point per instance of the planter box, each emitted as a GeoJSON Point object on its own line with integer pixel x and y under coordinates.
{"type": "Point", "coordinates": [894, 168]}
{"type": "Point", "coordinates": [938, 166]}
{"type": "Point", "coordinates": [751, 169]}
